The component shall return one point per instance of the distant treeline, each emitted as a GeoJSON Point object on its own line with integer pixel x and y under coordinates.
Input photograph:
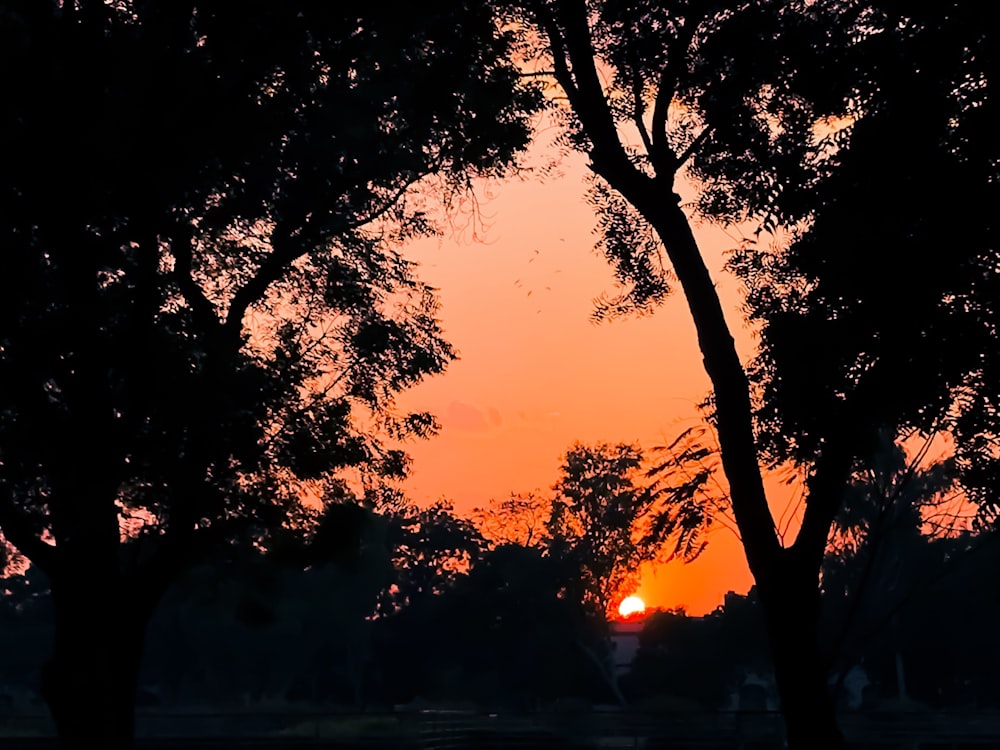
{"type": "Point", "coordinates": [425, 611]}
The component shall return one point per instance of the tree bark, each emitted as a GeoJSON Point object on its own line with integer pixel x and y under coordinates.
{"type": "Point", "coordinates": [90, 681]}
{"type": "Point", "coordinates": [790, 599]}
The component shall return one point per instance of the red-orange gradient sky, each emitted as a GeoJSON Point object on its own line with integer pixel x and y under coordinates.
{"type": "Point", "coordinates": [535, 374]}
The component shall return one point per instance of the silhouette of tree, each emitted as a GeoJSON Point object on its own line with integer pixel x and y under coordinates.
{"type": "Point", "coordinates": [503, 635]}
{"type": "Point", "coordinates": [701, 659]}
{"type": "Point", "coordinates": [877, 556]}
{"type": "Point", "coordinates": [202, 319]}
{"type": "Point", "coordinates": [429, 547]}
{"type": "Point", "coordinates": [599, 523]}
{"type": "Point", "coordinates": [857, 335]}
{"type": "Point", "coordinates": [643, 67]}
{"type": "Point", "coordinates": [593, 527]}
{"type": "Point", "coordinates": [518, 519]}
{"type": "Point", "coordinates": [593, 532]}
{"type": "Point", "coordinates": [790, 115]}
{"type": "Point", "coordinates": [859, 338]}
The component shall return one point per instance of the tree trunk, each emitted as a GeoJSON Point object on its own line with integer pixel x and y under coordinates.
{"type": "Point", "coordinates": [90, 681]}
{"type": "Point", "coordinates": [788, 582]}
{"type": "Point", "coordinates": [787, 579]}
{"type": "Point", "coordinates": [790, 600]}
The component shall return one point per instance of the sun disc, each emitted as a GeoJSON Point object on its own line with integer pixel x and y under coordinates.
{"type": "Point", "coordinates": [631, 605]}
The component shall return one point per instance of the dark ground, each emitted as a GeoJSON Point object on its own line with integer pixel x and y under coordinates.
{"type": "Point", "coordinates": [472, 731]}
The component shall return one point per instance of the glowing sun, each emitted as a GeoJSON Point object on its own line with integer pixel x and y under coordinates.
{"type": "Point", "coordinates": [631, 605]}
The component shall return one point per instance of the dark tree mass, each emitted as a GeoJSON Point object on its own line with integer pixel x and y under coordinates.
{"type": "Point", "coordinates": [206, 317]}
{"type": "Point", "coordinates": [836, 125]}
{"type": "Point", "coordinates": [203, 316]}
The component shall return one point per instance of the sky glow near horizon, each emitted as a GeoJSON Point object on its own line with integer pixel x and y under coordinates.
{"type": "Point", "coordinates": [535, 374]}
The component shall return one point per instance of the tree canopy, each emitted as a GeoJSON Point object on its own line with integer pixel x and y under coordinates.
{"type": "Point", "coordinates": [879, 312]}
{"type": "Point", "coordinates": [199, 282]}
{"type": "Point", "coordinates": [204, 318]}
{"type": "Point", "coordinates": [802, 120]}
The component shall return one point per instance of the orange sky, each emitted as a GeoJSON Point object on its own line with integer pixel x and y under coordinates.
{"type": "Point", "coordinates": [535, 375]}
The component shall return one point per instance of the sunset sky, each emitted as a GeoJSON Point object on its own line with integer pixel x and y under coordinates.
{"type": "Point", "coordinates": [535, 374]}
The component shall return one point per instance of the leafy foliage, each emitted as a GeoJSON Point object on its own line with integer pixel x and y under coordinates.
{"type": "Point", "coordinates": [596, 507]}
{"type": "Point", "coordinates": [518, 519]}
{"type": "Point", "coordinates": [632, 247]}
{"type": "Point", "coordinates": [880, 311]}
{"type": "Point", "coordinates": [203, 319]}
{"type": "Point", "coordinates": [430, 548]}
{"type": "Point", "coordinates": [240, 284]}
{"type": "Point", "coordinates": [688, 498]}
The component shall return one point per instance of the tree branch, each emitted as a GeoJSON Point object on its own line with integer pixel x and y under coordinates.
{"type": "Point", "coordinates": [663, 157]}
{"type": "Point", "coordinates": [639, 110]}
{"type": "Point", "coordinates": [831, 470]}
{"type": "Point", "coordinates": [692, 147]}
{"type": "Point", "coordinates": [577, 74]}
{"type": "Point", "coordinates": [284, 251]}
{"type": "Point", "coordinates": [662, 154]}
{"type": "Point", "coordinates": [182, 248]}
{"type": "Point", "coordinates": [289, 246]}
{"type": "Point", "coordinates": [561, 69]}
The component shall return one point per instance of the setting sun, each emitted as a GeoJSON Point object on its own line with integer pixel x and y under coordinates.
{"type": "Point", "coordinates": [631, 605]}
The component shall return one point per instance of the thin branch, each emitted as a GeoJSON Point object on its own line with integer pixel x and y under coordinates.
{"type": "Point", "coordinates": [659, 149]}
{"type": "Point", "coordinates": [290, 246]}
{"type": "Point", "coordinates": [721, 514]}
{"type": "Point", "coordinates": [728, 523]}
{"type": "Point", "coordinates": [784, 523]}
{"type": "Point", "coordinates": [662, 154]}
{"type": "Point", "coordinates": [713, 477]}
{"type": "Point", "coordinates": [560, 62]}
{"type": "Point", "coordinates": [606, 674]}
{"type": "Point", "coordinates": [182, 248]}
{"type": "Point", "coordinates": [693, 147]}
{"type": "Point", "coordinates": [639, 110]}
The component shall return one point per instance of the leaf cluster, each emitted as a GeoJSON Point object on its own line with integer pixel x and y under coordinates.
{"type": "Point", "coordinates": [202, 316]}
{"type": "Point", "coordinates": [880, 310]}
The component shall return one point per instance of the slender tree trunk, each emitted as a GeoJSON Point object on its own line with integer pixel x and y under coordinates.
{"type": "Point", "coordinates": [90, 681]}
{"type": "Point", "coordinates": [791, 603]}
{"type": "Point", "coordinates": [788, 581]}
